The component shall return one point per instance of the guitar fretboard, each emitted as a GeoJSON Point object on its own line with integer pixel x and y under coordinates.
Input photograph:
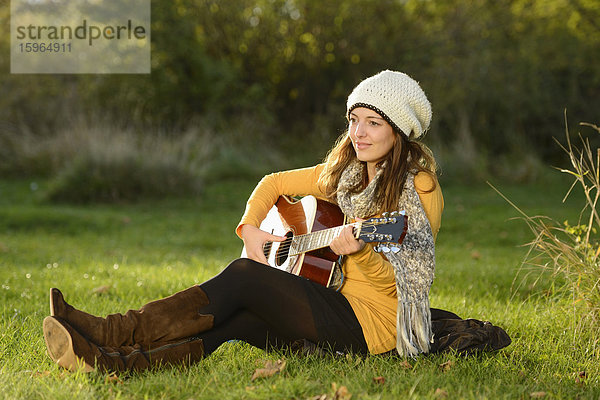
{"type": "Point", "coordinates": [316, 240]}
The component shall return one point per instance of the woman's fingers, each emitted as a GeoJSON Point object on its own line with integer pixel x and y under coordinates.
{"type": "Point", "coordinates": [274, 238]}
{"type": "Point", "coordinates": [346, 243]}
{"type": "Point", "coordinates": [255, 240]}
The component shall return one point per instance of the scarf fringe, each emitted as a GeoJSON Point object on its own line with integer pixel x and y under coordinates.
{"type": "Point", "coordinates": [413, 326]}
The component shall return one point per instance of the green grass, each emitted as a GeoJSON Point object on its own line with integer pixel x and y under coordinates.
{"type": "Point", "coordinates": [149, 250]}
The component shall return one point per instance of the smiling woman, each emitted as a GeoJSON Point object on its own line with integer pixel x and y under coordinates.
{"type": "Point", "coordinates": [382, 304]}
{"type": "Point", "coordinates": [395, 102]}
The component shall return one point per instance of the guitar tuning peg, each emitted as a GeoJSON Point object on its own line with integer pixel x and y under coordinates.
{"type": "Point", "coordinates": [394, 214]}
{"type": "Point", "coordinates": [395, 249]}
{"type": "Point", "coordinates": [385, 214]}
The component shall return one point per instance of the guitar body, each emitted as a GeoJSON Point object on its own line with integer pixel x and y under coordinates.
{"type": "Point", "coordinates": [318, 265]}
{"type": "Point", "coordinates": [290, 218]}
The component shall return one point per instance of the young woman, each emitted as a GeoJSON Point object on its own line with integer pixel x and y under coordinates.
{"type": "Point", "coordinates": [377, 166]}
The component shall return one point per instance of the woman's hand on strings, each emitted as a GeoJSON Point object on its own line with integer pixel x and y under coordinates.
{"type": "Point", "coordinates": [346, 243]}
{"type": "Point", "coordinates": [254, 241]}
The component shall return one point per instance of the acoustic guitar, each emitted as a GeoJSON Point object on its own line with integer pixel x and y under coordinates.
{"type": "Point", "coordinates": [310, 225]}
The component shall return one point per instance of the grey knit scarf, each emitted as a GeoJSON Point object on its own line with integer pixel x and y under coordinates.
{"type": "Point", "coordinates": [414, 264]}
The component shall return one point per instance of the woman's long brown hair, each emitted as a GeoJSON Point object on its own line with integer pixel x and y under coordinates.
{"type": "Point", "coordinates": [406, 155]}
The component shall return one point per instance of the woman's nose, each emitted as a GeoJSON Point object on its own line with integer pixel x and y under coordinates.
{"type": "Point", "coordinates": [359, 130]}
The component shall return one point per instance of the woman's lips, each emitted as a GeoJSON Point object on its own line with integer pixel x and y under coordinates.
{"type": "Point", "coordinates": [361, 145]}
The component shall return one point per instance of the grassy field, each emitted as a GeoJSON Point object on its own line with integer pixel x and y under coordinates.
{"type": "Point", "coordinates": [111, 258]}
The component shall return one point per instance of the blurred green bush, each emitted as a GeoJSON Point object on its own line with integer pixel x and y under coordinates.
{"type": "Point", "coordinates": [124, 178]}
{"type": "Point", "coordinates": [97, 161]}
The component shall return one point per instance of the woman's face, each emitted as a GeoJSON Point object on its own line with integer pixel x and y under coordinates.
{"type": "Point", "coordinates": [372, 137]}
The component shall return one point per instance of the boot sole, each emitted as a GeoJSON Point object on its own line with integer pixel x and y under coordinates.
{"type": "Point", "coordinates": [60, 346]}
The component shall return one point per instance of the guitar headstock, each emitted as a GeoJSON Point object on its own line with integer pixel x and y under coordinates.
{"type": "Point", "coordinates": [390, 229]}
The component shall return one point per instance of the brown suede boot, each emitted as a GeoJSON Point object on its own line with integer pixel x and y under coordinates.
{"type": "Point", "coordinates": [72, 351]}
{"type": "Point", "coordinates": [164, 320]}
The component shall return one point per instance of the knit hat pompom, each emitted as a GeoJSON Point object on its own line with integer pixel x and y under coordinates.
{"type": "Point", "coordinates": [397, 98]}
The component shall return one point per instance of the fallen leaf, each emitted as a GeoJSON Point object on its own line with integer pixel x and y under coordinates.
{"type": "Point", "coordinates": [270, 369]}
{"type": "Point", "coordinates": [440, 393]}
{"type": "Point", "coordinates": [114, 379]}
{"type": "Point", "coordinates": [342, 394]}
{"type": "Point", "coordinates": [405, 365]}
{"type": "Point", "coordinates": [41, 374]}
{"type": "Point", "coordinates": [44, 374]}
{"type": "Point", "coordinates": [580, 377]}
{"type": "Point", "coordinates": [101, 289]}
{"type": "Point", "coordinates": [445, 367]}
{"type": "Point", "coordinates": [379, 380]}
{"type": "Point", "coordinates": [537, 395]}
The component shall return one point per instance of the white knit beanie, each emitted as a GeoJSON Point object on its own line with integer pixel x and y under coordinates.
{"type": "Point", "coordinates": [397, 98]}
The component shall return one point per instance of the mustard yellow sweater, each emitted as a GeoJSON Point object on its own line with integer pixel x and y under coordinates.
{"type": "Point", "coordinates": [369, 278]}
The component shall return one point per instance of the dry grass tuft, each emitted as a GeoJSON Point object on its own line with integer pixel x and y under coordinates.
{"type": "Point", "coordinates": [569, 252]}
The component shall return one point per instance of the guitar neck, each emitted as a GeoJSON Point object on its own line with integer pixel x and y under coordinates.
{"type": "Point", "coordinates": [317, 240]}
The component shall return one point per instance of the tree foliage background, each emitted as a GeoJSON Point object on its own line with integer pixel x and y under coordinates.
{"type": "Point", "coordinates": [499, 73]}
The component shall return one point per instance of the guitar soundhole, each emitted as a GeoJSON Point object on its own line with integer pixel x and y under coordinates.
{"type": "Point", "coordinates": [284, 250]}
{"type": "Point", "coordinates": [267, 249]}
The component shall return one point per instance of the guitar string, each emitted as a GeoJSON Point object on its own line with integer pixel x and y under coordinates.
{"type": "Point", "coordinates": [286, 244]}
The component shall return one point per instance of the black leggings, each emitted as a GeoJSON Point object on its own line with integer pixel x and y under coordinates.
{"type": "Point", "coordinates": [267, 307]}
